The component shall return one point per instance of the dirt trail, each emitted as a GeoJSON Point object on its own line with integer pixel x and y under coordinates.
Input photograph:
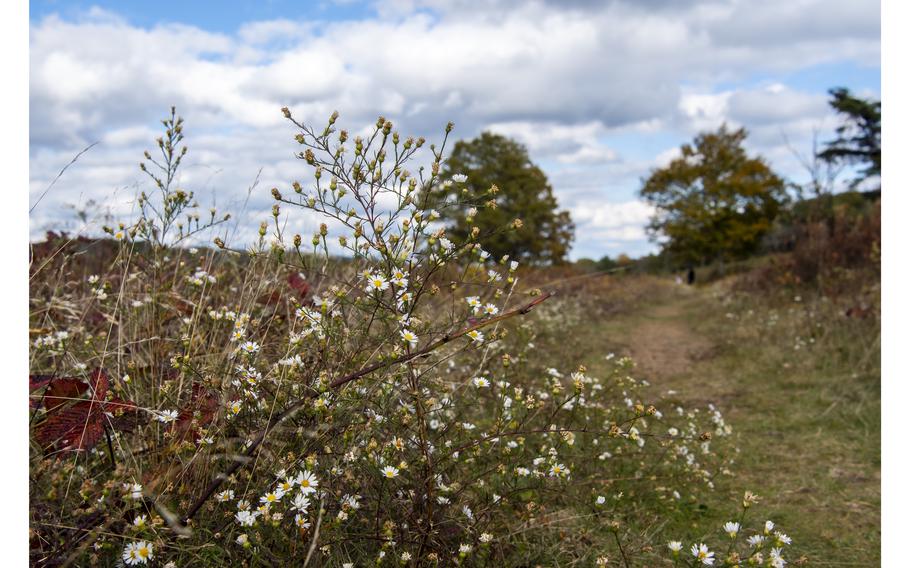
{"type": "Point", "coordinates": [663, 344]}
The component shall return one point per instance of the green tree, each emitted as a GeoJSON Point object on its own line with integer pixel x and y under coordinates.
{"type": "Point", "coordinates": [523, 193]}
{"type": "Point", "coordinates": [714, 202]}
{"type": "Point", "coordinates": [859, 137]}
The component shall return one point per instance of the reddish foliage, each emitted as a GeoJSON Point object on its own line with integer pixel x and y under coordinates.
{"type": "Point", "coordinates": [270, 298]}
{"type": "Point", "coordinates": [203, 405]}
{"type": "Point", "coordinates": [298, 284]}
{"type": "Point", "coordinates": [78, 426]}
{"type": "Point", "coordinates": [63, 390]}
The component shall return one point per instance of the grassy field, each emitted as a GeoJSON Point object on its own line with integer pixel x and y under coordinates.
{"type": "Point", "coordinates": [794, 371]}
{"type": "Point", "coordinates": [797, 378]}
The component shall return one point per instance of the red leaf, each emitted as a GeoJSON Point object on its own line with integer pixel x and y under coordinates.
{"type": "Point", "coordinates": [299, 284]}
{"type": "Point", "coordinates": [35, 382]}
{"type": "Point", "coordinates": [100, 383]}
{"type": "Point", "coordinates": [63, 390]}
{"type": "Point", "coordinates": [79, 426]}
{"type": "Point", "coordinates": [204, 403]}
{"type": "Point", "coordinates": [76, 427]}
{"type": "Point", "coordinates": [270, 298]}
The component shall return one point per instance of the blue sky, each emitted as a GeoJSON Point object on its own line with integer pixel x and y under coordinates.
{"type": "Point", "coordinates": [599, 92]}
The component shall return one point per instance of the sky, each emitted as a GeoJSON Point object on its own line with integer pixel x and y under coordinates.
{"type": "Point", "coordinates": [600, 92]}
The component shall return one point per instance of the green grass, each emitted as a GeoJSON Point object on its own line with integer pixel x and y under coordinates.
{"type": "Point", "coordinates": [807, 420]}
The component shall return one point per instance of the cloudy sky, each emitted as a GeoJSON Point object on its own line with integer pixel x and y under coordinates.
{"type": "Point", "coordinates": [599, 92]}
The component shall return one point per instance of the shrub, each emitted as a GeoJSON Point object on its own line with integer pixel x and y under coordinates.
{"type": "Point", "coordinates": [200, 406]}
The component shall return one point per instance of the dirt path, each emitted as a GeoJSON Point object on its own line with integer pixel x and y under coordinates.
{"type": "Point", "coordinates": [662, 343]}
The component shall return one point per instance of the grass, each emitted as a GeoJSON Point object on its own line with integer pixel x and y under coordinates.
{"type": "Point", "coordinates": [798, 380]}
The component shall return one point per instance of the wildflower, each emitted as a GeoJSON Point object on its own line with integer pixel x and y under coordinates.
{"type": "Point", "coordinates": [490, 310]}
{"type": "Point", "coordinates": [119, 235]}
{"type": "Point", "coordinates": [756, 540]}
{"type": "Point", "coordinates": [405, 556]}
{"type": "Point", "coordinates": [769, 526]}
{"type": "Point", "coordinates": [390, 472]}
{"type": "Point", "coordinates": [243, 540]}
{"type": "Point", "coordinates": [731, 529]}
{"type": "Point", "coordinates": [481, 382]}
{"type": "Point", "coordinates": [781, 538]}
{"type": "Point", "coordinates": [246, 518]}
{"type": "Point", "coordinates": [600, 500]}
{"type": "Point", "coordinates": [459, 178]}
{"type": "Point", "coordinates": [137, 553]}
{"type": "Point", "coordinates": [235, 406]}
{"type": "Point", "coordinates": [675, 546]}
{"type": "Point", "coordinates": [474, 303]}
{"type": "Point", "coordinates": [558, 469]}
{"type": "Point", "coordinates": [301, 521]}
{"type": "Point", "coordinates": [465, 548]}
{"type": "Point", "coordinates": [446, 244]}
{"type": "Point", "coordinates": [476, 336]}
{"type": "Point", "coordinates": [376, 283]}
{"type": "Point", "coordinates": [775, 558]}
{"type": "Point", "coordinates": [135, 490]}
{"type": "Point", "coordinates": [493, 276]}
{"type": "Point", "coordinates": [404, 299]}
{"type": "Point", "coordinates": [167, 416]}
{"type": "Point", "coordinates": [140, 521]}
{"type": "Point", "coordinates": [225, 496]}
{"type": "Point", "coordinates": [749, 499]}
{"type": "Point", "coordinates": [399, 278]}
{"type": "Point", "coordinates": [486, 538]}
{"type": "Point", "coordinates": [271, 497]}
{"type": "Point", "coordinates": [702, 554]}
{"type": "Point", "coordinates": [301, 503]}
{"type": "Point", "coordinates": [409, 337]}
{"type": "Point", "coordinates": [308, 482]}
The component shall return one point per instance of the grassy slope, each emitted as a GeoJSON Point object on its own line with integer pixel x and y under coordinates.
{"type": "Point", "coordinates": [808, 419]}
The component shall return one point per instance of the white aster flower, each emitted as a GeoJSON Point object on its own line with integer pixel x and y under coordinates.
{"type": "Point", "coordinates": [137, 553]}
{"type": "Point", "coordinates": [225, 496]}
{"type": "Point", "coordinates": [481, 382]}
{"type": "Point", "coordinates": [307, 482]}
{"type": "Point", "coordinates": [702, 554]}
{"type": "Point", "coordinates": [167, 416]}
{"type": "Point", "coordinates": [409, 337]}
{"type": "Point", "coordinates": [390, 472]}
{"type": "Point", "coordinates": [377, 283]}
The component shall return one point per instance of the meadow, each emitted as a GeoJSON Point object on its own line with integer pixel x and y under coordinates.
{"type": "Point", "coordinates": [415, 401]}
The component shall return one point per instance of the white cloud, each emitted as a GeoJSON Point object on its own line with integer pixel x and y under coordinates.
{"type": "Point", "coordinates": [560, 77]}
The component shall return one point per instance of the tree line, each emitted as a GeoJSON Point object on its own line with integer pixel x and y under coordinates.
{"type": "Point", "coordinates": [714, 202]}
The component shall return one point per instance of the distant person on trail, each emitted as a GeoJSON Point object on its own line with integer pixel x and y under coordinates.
{"type": "Point", "coordinates": [691, 276]}
{"type": "Point", "coordinates": [679, 279]}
